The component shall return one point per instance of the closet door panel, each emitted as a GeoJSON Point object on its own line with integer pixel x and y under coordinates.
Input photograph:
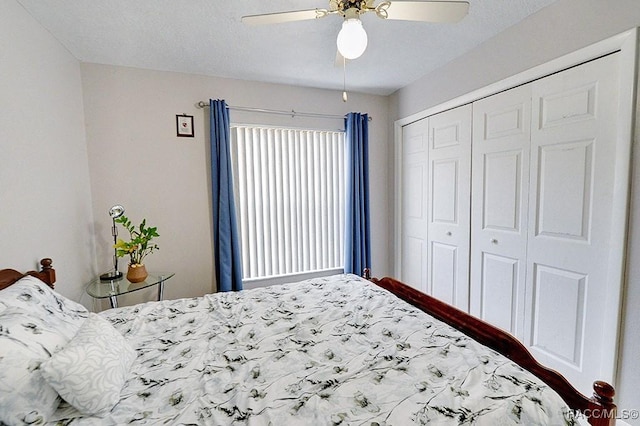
{"type": "Point", "coordinates": [413, 264]}
{"type": "Point", "coordinates": [565, 184]}
{"type": "Point", "coordinates": [500, 179]}
{"type": "Point", "coordinates": [444, 270]}
{"type": "Point", "coordinates": [444, 199]}
{"type": "Point", "coordinates": [502, 191]}
{"type": "Point", "coordinates": [414, 210]}
{"type": "Point", "coordinates": [572, 175]}
{"type": "Point", "coordinates": [449, 206]}
{"type": "Point", "coordinates": [560, 312]}
{"type": "Point", "coordinates": [500, 284]}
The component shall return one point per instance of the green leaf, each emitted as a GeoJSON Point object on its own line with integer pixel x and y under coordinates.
{"type": "Point", "coordinates": [138, 245]}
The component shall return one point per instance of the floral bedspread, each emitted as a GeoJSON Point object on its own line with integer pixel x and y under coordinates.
{"type": "Point", "coordinates": [330, 351]}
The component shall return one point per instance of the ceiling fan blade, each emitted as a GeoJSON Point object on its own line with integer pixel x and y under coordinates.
{"type": "Point", "coordinates": [276, 18]}
{"type": "Point", "coordinates": [427, 11]}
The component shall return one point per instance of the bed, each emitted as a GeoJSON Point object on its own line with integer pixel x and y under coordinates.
{"type": "Point", "coordinates": [335, 350]}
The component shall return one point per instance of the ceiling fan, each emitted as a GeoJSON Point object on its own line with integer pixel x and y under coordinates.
{"type": "Point", "coordinates": [352, 38]}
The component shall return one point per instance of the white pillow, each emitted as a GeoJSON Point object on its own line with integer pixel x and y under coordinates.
{"type": "Point", "coordinates": [35, 322]}
{"type": "Point", "coordinates": [37, 298]}
{"type": "Point", "coordinates": [90, 371]}
{"type": "Point", "coordinates": [26, 341]}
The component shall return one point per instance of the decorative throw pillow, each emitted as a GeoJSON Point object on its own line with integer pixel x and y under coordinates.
{"type": "Point", "coordinates": [90, 371]}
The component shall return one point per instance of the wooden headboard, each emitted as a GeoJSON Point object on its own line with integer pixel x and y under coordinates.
{"type": "Point", "coordinates": [46, 274]}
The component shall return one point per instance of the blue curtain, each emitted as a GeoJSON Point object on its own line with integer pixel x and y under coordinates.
{"type": "Point", "coordinates": [226, 239]}
{"type": "Point", "coordinates": [357, 247]}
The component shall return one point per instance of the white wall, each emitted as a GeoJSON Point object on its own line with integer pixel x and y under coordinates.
{"type": "Point", "coordinates": [561, 28]}
{"type": "Point", "coordinates": [45, 195]}
{"type": "Point", "coordinates": [135, 158]}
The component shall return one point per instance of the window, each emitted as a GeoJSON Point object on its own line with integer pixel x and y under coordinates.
{"type": "Point", "coordinates": [289, 186]}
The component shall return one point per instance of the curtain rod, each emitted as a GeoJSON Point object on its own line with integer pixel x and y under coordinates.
{"type": "Point", "coordinates": [292, 113]}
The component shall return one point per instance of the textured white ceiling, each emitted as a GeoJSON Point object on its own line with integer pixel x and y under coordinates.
{"type": "Point", "coordinates": [206, 37]}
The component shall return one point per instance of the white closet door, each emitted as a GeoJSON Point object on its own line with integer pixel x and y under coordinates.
{"type": "Point", "coordinates": [414, 204]}
{"type": "Point", "coordinates": [500, 180]}
{"type": "Point", "coordinates": [572, 177]}
{"type": "Point", "coordinates": [449, 206]}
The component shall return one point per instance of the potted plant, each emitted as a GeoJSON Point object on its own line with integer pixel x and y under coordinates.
{"type": "Point", "coordinates": [137, 248]}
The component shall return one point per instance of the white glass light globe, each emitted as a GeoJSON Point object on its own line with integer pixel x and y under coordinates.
{"type": "Point", "coordinates": [352, 39]}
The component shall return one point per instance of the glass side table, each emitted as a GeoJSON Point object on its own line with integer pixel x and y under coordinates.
{"type": "Point", "coordinates": [112, 289]}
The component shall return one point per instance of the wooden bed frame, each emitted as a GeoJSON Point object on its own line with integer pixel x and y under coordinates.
{"type": "Point", "coordinates": [599, 410]}
{"type": "Point", "coordinates": [46, 274]}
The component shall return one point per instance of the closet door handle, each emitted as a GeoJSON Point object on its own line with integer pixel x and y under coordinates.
{"type": "Point", "coordinates": [494, 241]}
{"type": "Point", "coordinates": [448, 233]}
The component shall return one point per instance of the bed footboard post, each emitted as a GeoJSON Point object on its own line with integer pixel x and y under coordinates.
{"type": "Point", "coordinates": [603, 394]}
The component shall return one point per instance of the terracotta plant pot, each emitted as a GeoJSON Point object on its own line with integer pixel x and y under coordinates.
{"type": "Point", "coordinates": [137, 273]}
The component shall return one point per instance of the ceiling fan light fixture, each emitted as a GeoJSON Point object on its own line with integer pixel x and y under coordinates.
{"type": "Point", "coordinates": [352, 39]}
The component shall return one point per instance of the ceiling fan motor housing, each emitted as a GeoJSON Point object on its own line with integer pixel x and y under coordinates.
{"type": "Point", "coordinates": [352, 7]}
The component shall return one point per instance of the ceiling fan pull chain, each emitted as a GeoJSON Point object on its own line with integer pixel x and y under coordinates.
{"type": "Point", "coordinates": [344, 79]}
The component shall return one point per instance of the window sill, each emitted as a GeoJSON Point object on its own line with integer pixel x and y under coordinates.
{"type": "Point", "coordinates": [282, 279]}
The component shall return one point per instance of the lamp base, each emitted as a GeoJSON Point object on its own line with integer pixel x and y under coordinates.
{"type": "Point", "coordinates": [111, 276]}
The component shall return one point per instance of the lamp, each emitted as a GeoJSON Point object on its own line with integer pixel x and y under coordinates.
{"type": "Point", "coordinates": [352, 39]}
{"type": "Point", "coordinates": [115, 212]}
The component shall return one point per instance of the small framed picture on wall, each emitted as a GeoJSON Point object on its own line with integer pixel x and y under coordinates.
{"type": "Point", "coordinates": [184, 125]}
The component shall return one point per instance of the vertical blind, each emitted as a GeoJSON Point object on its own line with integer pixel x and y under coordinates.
{"type": "Point", "coordinates": [290, 197]}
